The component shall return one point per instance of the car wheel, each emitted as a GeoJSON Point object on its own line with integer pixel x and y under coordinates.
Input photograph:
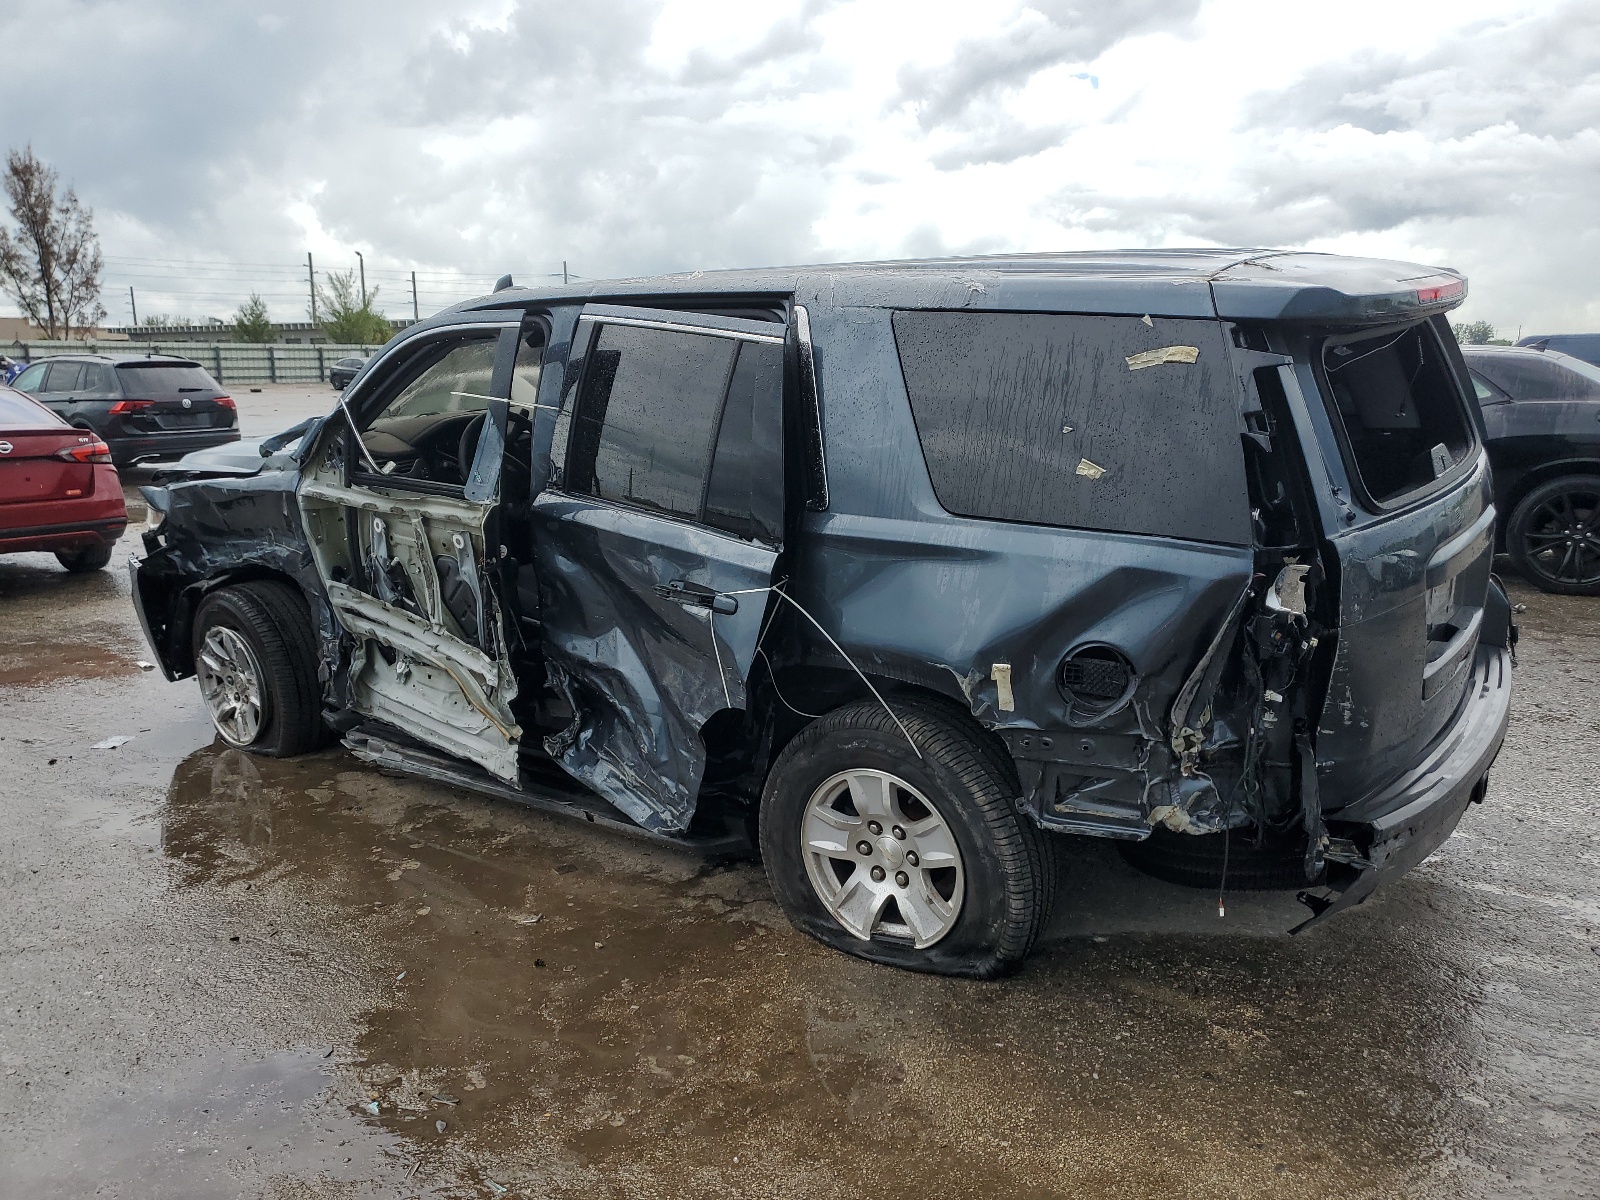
{"type": "Point", "coordinates": [1554, 536]}
{"type": "Point", "coordinates": [255, 657]}
{"type": "Point", "coordinates": [918, 862]}
{"type": "Point", "coordinates": [81, 562]}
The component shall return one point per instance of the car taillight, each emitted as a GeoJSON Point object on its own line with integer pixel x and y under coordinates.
{"type": "Point", "coordinates": [129, 406]}
{"type": "Point", "coordinates": [89, 452]}
{"type": "Point", "coordinates": [226, 402]}
{"type": "Point", "coordinates": [1445, 291]}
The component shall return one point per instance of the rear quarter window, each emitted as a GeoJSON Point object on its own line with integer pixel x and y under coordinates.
{"type": "Point", "coordinates": [1044, 419]}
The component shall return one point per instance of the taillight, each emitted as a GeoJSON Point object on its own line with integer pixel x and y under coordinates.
{"type": "Point", "coordinates": [226, 402]}
{"type": "Point", "coordinates": [89, 452]}
{"type": "Point", "coordinates": [129, 406]}
{"type": "Point", "coordinates": [1445, 291]}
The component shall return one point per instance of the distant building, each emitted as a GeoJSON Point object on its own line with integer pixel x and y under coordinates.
{"type": "Point", "coordinates": [19, 329]}
{"type": "Point", "coordinates": [286, 333]}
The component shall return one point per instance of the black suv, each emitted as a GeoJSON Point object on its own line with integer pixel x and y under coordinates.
{"type": "Point", "coordinates": [1541, 411]}
{"type": "Point", "coordinates": [901, 570]}
{"type": "Point", "coordinates": [144, 407]}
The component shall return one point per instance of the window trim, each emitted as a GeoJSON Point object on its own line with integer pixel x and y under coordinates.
{"type": "Point", "coordinates": [1466, 402]}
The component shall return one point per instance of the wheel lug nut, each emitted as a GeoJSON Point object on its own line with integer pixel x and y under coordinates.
{"type": "Point", "coordinates": [877, 874]}
{"type": "Point", "coordinates": [902, 879]}
{"type": "Point", "coordinates": [864, 847]}
{"type": "Point", "coordinates": [899, 833]}
{"type": "Point", "coordinates": [911, 857]}
{"type": "Point", "coordinates": [874, 828]}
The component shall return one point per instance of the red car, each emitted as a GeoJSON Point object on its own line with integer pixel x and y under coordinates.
{"type": "Point", "coordinates": [58, 489]}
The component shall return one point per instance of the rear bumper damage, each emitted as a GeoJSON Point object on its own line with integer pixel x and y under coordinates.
{"type": "Point", "coordinates": [1384, 835]}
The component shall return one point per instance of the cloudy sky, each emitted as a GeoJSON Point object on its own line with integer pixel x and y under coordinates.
{"type": "Point", "coordinates": [218, 145]}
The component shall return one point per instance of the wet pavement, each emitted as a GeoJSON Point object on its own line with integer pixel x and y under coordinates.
{"type": "Point", "coordinates": [223, 975]}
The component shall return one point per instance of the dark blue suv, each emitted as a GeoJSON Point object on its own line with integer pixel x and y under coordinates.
{"type": "Point", "coordinates": [900, 572]}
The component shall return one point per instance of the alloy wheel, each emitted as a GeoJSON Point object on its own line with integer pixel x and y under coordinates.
{"type": "Point", "coordinates": [230, 682]}
{"type": "Point", "coordinates": [1562, 538]}
{"type": "Point", "coordinates": [882, 859]}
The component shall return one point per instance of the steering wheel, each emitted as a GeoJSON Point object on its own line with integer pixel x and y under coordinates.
{"type": "Point", "coordinates": [467, 447]}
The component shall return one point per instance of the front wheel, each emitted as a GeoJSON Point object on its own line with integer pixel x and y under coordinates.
{"type": "Point", "coordinates": [1554, 536]}
{"type": "Point", "coordinates": [255, 658]}
{"type": "Point", "coordinates": [916, 858]}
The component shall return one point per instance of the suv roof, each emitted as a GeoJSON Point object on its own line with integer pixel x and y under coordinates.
{"type": "Point", "coordinates": [119, 359]}
{"type": "Point", "coordinates": [1244, 284]}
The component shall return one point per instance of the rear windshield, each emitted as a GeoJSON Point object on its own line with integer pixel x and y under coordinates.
{"type": "Point", "coordinates": [151, 380]}
{"type": "Point", "coordinates": [1401, 412]}
{"type": "Point", "coordinates": [19, 412]}
{"type": "Point", "coordinates": [1092, 422]}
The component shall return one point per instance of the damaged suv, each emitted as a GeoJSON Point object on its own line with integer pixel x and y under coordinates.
{"type": "Point", "coordinates": [899, 570]}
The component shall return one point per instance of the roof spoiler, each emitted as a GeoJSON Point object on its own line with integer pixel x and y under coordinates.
{"type": "Point", "coordinates": [1361, 294]}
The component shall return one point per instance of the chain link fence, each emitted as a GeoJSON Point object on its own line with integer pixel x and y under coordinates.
{"type": "Point", "coordinates": [228, 362]}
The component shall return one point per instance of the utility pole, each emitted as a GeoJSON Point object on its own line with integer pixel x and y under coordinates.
{"type": "Point", "coordinates": [133, 304]}
{"type": "Point", "coordinates": [311, 278]}
{"type": "Point", "coordinates": [416, 314]}
{"type": "Point", "coordinates": [363, 263]}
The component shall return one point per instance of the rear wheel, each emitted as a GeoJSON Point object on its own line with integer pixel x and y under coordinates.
{"type": "Point", "coordinates": [255, 659]}
{"type": "Point", "coordinates": [918, 862]}
{"type": "Point", "coordinates": [1554, 536]}
{"type": "Point", "coordinates": [81, 562]}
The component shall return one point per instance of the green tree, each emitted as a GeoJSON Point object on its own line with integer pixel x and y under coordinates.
{"type": "Point", "coordinates": [51, 264]}
{"type": "Point", "coordinates": [251, 323]}
{"type": "Point", "coordinates": [1474, 333]}
{"type": "Point", "coordinates": [346, 317]}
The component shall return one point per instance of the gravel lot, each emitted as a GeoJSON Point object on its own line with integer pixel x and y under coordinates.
{"type": "Point", "coordinates": [214, 966]}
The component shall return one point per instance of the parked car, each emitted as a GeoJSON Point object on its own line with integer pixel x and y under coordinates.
{"type": "Point", "coordinates": [913, 568]}
{"type": "Point", "coordinates": [1541, 413]}
{"type": "Point", "coordinates": [1580, 345]}
{"type": "Point", "coordinates": [145, 407]}
{"type": "Point", "coordinates": [58, 490]}
{"type": "Point", "coordinates": [343, 371]}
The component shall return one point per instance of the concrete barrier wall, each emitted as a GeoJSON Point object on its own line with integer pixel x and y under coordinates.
{"type": "Point", "coordinates": [228, 362]}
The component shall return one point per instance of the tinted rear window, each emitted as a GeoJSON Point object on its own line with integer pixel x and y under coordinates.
{"type": "Point", "coordinates": [1044, 419]}
{"type": "Point", "coordinates": [19, 412]}
{"type": "Point", "coordinates": [149, 381]}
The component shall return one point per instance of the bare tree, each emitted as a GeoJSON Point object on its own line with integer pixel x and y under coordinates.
{"type": "Point", "coordinates": [51, 263]}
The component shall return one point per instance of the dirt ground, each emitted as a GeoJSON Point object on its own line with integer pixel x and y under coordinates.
{"type": "Point", "coordinates": [222, 975]}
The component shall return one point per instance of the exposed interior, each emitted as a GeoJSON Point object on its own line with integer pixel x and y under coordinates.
{"type": "Point", "coordinates": [1399, 406]}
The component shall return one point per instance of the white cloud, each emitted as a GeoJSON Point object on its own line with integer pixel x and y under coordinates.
{"type": "Point", "coordinates": [630, 137]}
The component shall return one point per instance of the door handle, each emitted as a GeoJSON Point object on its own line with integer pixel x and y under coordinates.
{"type": "Point", "coordinates": [698, 596]}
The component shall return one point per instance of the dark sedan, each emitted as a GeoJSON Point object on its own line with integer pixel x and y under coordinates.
{"type": "Point", "coordinates": [58, 490]}
{"type": "Point", "coordinates": [144, 407]}
{"type": "Point", "coordinates": [1541, 410]}
{"type": "Point", "coordinates": [343, 371]}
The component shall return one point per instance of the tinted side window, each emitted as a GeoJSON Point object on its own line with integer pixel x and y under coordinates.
{"type": "Point", "coordinates": [745, 493]}
{"type": "Point", "coordinates": [97, 377]}
{"type": "Point", "coordinates": [646, 416]}
{"type": "Point", "coordinates": [1045, 419]}
{"type": "Point", "coordinates": [64, 377]}
{"type": "Point", "coordinates": [1530, 378]}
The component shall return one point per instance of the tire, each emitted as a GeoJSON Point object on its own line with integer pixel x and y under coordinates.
{"type": "Point", "coordinates": [90, 558]}
{"type": "Point", "coordinates": [1006, 864]}
{"type": "Point", "coordinates": [1554, 536]}
{"type": "Point", "coordinates": [261, 629]}
{"type": "Point", "coordinates": [1277, 865]}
